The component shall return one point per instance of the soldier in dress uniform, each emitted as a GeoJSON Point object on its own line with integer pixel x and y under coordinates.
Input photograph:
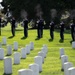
{"type": "Point", "coordinates": [52, 29]}
{"type": "Point", "coordinates": [62, 30]}
{"type": "Point", "coordinates": [25, 22]}
{"type": "Point", "coordinates": [13, 21]}
{"type": "Point", "coordinates": [40, 24]}
{"type": "Point", "coordinates": [72, 26]}
{"type": "Point", "coordinates": [37, 24]}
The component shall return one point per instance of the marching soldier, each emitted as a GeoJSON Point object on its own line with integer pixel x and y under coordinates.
{"type": "Point", "coordinates": [13, 21]}
{"type": "Point", "coordinates": [52, 29]}
{"type": "Point", "coordinates": [62, 30]}
{"type": "Point", "coordinates": [72, 26]}
{"type": "Point", "coordinates": [25, 22]}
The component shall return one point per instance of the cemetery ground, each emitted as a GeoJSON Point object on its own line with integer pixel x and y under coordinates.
{"type": "Point", "coordinates": [52, 62]}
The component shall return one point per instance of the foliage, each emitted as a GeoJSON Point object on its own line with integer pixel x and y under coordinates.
{"type": "Point", "coordinates": [46, 5]}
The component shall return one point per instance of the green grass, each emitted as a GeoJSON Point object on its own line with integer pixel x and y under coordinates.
{"type": "Point", "coordinates": [52, 64]}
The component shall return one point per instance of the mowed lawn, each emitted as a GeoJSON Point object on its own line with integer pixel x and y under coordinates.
{"type": "Point", "coordinates": [52, 63]}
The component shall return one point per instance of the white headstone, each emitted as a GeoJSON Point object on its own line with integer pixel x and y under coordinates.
{"type": "Point", "coordinates": [23, 53]}
{"type": "Point", "coordinates": [67, 65]}
{"type": "Point", "coordinates": [62, 52]}
{"type": "Point", "coordinates": [1, 53]}
{"type": "Point", "coordinates": [73, 44]}
{"type": "Point", "coordinates": [4, 41]}
{"type": "Point", "coordinates": [45, 47]}
{"type": "Point", "coordinates": [7, 65]}
{"type": "Point", "coordinates": [42, 55]}
{"type": "Point", "coordinates": [16, 58]}
{"type": "Point", "coordinates": [25, 72]}
{"type": "Point", "coordinates": [71, 71]}
{"type": "Point", "coordinates": [44, 50]}
{"type": "Point", "coordinates": [35, 68]}
{"type": "Point", "coordinates": [64, 59]}
{"type": "Point", "coordinates": [38, 60]}
{"type": "Point", "coordinates": [27, 49]}
{"type": "Point", "coordinates": [9, 49]}
{"type": "Point", "coordinates": [31, 45]}
{"type": "Point", "coordinates": [15, 45]}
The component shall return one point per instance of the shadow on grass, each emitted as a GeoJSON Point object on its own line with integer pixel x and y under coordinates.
{"type": "Point", "coordinates": [37, 38]}
{"type": "Point", "coordinates": [40, 72]}
{"type": "Point", "coordinates": [14, 50]}
{"type": "Point", "coordinates": [23, 58]}
{"type": "Point", "coordinates": [8, 55]}
{"type": "Point", "coordinates": [71, 42]}
{"type": "Point", "coordinates": [1, 59]}
{"type": "Point", "coordinates": [7, 74]}
{"type": "Point", "coordinates": [10, 37]}
{"type": "Point", "coordinates": [3, 44]}
{"type": "Point", "coordinates": [16, 64]}
{"type": "Point", "coordinates": [61, 41]}
{"type": "Point", "coordinates": [62, 70]}
{"type": "Point", "coordinates": [23, 38]}
{"type": "Point", "coordinates": [50, 40]}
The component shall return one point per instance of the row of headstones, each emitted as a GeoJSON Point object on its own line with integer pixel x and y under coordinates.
{"type": "Point", "coordinates": [4, 42]}
{"type": "Point", "coordinates": [24, 51]}
{"type": "Point", "coordinates": [67, 66]}
{"type": "Point", "coordinates": [38, 60]}
{"type": "Point", "coordinates": [36, 68]}
{"type": "Point", "coordinates": [33, 68]}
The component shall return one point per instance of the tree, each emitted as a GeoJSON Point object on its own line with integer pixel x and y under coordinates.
{"type": "Point", "coordinates": [29, 5]}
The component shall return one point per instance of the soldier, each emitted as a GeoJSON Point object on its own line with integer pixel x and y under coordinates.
{"type": "Point", "coordinates": [72, 26]}
{"type": "Point", "coordinates": [38, 32]}
{"type": "Point", "coordinates": [40, 28]}
{"type": "Point", "coordinates": [62, 30]}
{"type": "Point", "coordinates": [25, 27]}
{"type": "Point", "coordinates": [13, 21]}
{"type": "Point", "coordinates": [52, 29]}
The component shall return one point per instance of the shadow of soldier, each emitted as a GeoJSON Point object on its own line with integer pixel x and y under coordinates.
{"type": "Point", "coordinates": [50, 40]}
{"type": "Point", "coordinates": [61, 41]}
{"type": "Point", "coordinates": [37, 38]}
{"type": "Point", "coordinates": [23, 38]}
{"type": "Point", "coordinates": [71, 41]}
{"type": "Point", "coordinates": [10, 37]}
